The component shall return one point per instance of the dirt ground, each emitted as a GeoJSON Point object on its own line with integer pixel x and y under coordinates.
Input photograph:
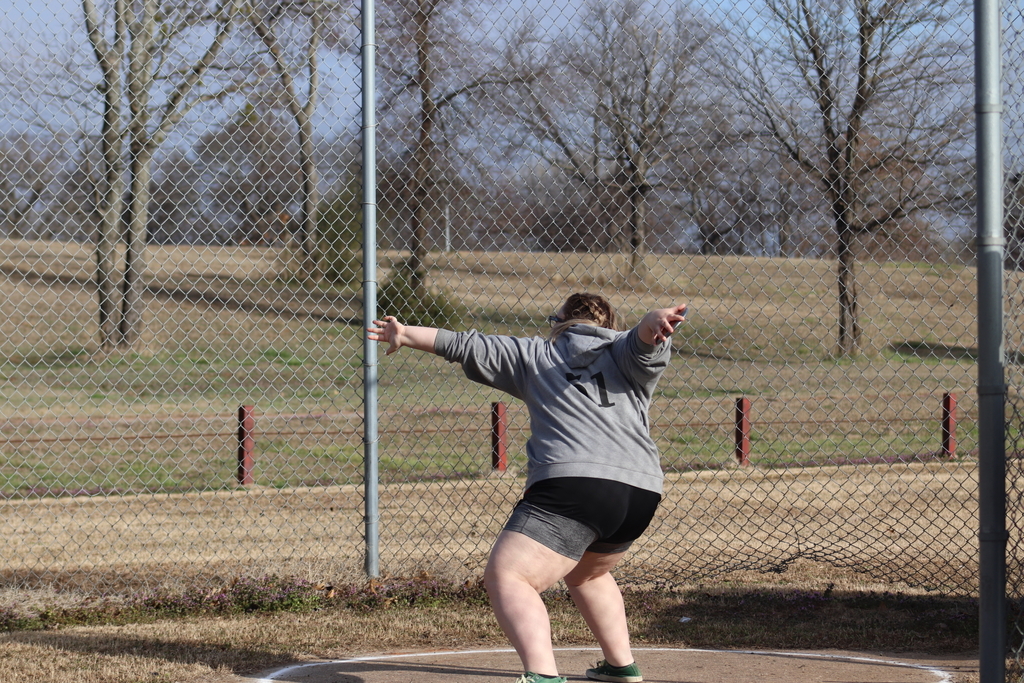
{"type": "Point", "coordinates": [659, 665]}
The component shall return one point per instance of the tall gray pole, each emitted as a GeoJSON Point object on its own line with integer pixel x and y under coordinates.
{"type": "Point", "coordinates": [992, 534]}
{"type": "Point", "coordinates": [370, 457]}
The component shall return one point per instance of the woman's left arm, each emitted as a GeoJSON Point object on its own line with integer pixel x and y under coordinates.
{"type": "Point", "coordinates": [397, 335]}
{"type": "Point", "coordinates": [658, 325]}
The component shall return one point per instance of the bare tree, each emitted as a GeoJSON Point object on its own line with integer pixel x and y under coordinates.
{"type": "Point", "coordinates": [709, 179]}
{"type": "Point", "coordinates": [43, 154]}
{"type": "Point", "coordinates": [614, 103]}
{"type": "Point", "coordinates": [69, 211]}
{"type": "Point", "coordinates": [866, 97]}
{"type": "Point", "coordinates": [742, 200]}
{"type": "Point", "coordinates": [176, 207]}
{"type": "Point", "coordinates": [423, 154]}
{"type": "Point", "coordinates": [435, 64]}
{"type": "Point", "coordinates": [28, 166]}
{"type": "Point", "coordinates": [321, 23]}
{"type": "Point", "coordinates": [255, 180]}
{"type": "Point", "coordinates": [149, 37]}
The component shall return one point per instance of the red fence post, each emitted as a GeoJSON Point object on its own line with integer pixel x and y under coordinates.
{"type": "Point", "coordinates": [499, 437]}
{"type": "Point", "coordinates": [246, 427]}
{"type": "Point", "coordinates": [949, 425]}
{"type": "Point", "coordinates": [743, 431]}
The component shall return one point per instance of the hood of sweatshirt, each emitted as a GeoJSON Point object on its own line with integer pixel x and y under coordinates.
{"type": "Point", "coordinates": [580, 345]}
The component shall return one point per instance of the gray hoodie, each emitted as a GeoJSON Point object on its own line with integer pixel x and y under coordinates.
{"type": "Point", "coordinates": [588, 395]}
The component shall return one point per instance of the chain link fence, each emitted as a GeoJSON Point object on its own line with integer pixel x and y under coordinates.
{"type": "Point", "coordinates": [1013, 126]}
{"type": "Point", "coordinates": [180, 207]}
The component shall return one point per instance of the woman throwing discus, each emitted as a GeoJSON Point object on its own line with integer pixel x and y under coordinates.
{"type": "Point", "coordinates": [594, 476]}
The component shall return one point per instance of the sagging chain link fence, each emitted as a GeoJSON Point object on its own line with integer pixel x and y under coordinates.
{"type": "Point", "coordinates": [180, 207]}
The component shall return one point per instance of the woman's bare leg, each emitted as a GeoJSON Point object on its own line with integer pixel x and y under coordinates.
{"type": "Point", "coordinates": [518, 570]}
{"type": "Point", "coordinates": [599, 600]}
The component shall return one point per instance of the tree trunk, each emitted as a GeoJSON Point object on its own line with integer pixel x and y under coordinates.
{"type": "Point", "coordinates": [841, 197]}
{"type": "Point", "coordinates": [109, 221]}
{"type": "Point", "coordinates": [310, 192]}
{"type": "Point", "coordinates": [302, 113]}
{"type": "Point", "coordinates": [846, 277]}
{"type": "Point", "coordinates": [419, 193]}
{"type": "Point", "coordinates": [638, 231]}
{"type": "Point", "coordinates": [133, 283]}
{"type": "Point", "coordinates": [310, 201]}
{"type": "Point", "coordinates": [784, 239]}
{"type": "Point", "coordinates": [108, 208]}
{"type": "Point", "coordinates": [140, 79]}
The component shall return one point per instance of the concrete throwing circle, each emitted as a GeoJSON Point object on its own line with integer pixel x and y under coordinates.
{"type": "Point", "coordinates": [659, 665]}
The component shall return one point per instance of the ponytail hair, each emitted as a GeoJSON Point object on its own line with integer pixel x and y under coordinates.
{"type": "Point", "coordinates": [585, 309]}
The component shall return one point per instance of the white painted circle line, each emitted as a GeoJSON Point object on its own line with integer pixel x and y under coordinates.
{"type": "Point", "coordinates": [943, 677]}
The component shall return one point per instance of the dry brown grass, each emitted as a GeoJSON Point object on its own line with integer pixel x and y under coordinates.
{"type": "Point", "coordinates": [765, 302]}
{"type": "Point", "coordinates": [184, 650]}
{"type": "Point", "coordinates": [774, 299]}
{"type": "Point", "coordinates": [907, 521]}
{"type": "Point", "coordinates": [740, 610]}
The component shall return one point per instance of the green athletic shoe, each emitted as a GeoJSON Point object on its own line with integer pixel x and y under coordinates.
{"type": "Point", "coordinates": [616, 674]}
{"type": "Point", "coordinates": [530, 677]}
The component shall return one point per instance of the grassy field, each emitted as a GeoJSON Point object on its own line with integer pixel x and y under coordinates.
{"type": "Point", "coordinates": [133, 453]}
{"type": "Point", "coordinates": [117, 471]}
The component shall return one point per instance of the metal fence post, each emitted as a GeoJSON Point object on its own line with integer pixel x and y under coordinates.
{"type": "Point", "coordinates": [949, 425]}
{"type": "Point", "coordinates": [499, 437]}
{"type": "Point", "coordinates": [246, 442]}
{"type": "Point", "coordinates": [742, 432]}
{"type": "Point", "coordinates": [992, 535]}
{"type": "Point", "coordinates": [371, 465]}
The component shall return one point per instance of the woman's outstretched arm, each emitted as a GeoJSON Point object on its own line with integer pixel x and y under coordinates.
{"type": "Point", "coordinates": [397, 335]}
{"type": "Point", "coordinates": [658, 325]}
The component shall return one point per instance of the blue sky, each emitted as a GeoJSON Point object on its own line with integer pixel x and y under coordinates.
{"type": "Point", "coordinates": [46, 19]}
{"type": "Point", "coordinates": [35, 29]}
{"type": "Point", "coordinates": [42, 33]}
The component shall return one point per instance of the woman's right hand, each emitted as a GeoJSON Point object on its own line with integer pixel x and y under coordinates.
{"type": "Point", "coordinates": [388, 330]}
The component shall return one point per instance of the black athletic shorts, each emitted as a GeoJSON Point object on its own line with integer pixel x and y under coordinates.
{"type": "Point", "coordinates": [572, 515]}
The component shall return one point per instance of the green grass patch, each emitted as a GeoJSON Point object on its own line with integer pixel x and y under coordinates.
{"type": "Point", "coordinates": [706, 449]}
{"type": "Point", "coordinates": [433, 422]}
